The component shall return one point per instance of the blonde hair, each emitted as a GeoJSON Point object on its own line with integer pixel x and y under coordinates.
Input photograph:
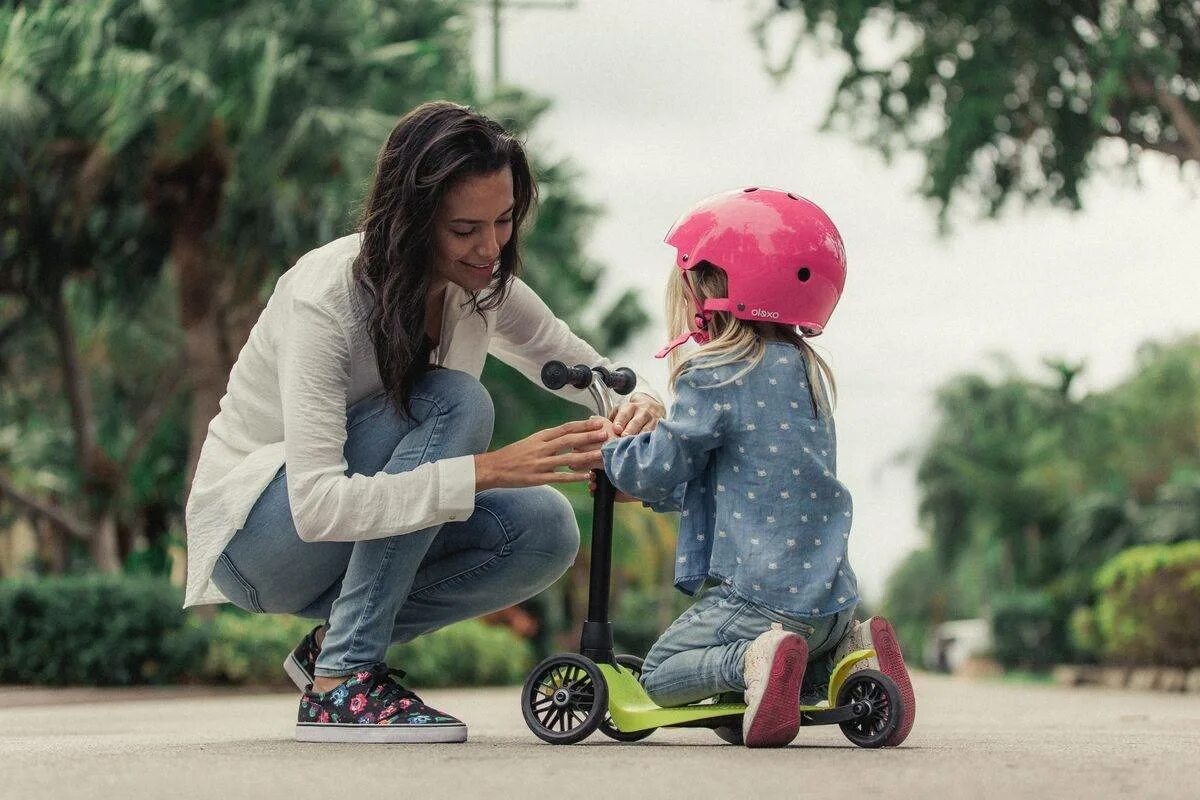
{"type": "Point", "coordinates": [733, 340]}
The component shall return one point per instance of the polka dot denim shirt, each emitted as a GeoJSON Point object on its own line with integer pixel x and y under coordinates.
{"type": "Point", "coordinates": [752, 467]}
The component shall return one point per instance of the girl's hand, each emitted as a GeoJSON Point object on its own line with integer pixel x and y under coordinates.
{"type": "Point", "coordinates": [640, 414]}
{"type": "Point", "coordinates": [620, 497]}
{"type": "Point", "coordinates": [535, 460]}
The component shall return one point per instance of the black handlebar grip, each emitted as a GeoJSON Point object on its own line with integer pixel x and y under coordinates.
{"type": "Point", "coordinates": [621, 380]}
{"type": "Point", "coordinates": [556, 375]}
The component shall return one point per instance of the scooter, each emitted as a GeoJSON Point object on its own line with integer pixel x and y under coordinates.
{"type": "Point", "coordinates": [569, 696]}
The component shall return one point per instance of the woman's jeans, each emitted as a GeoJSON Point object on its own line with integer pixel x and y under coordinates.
{"type": "Point", "coordinates": [701, 655]}
{"type": "Point", "coordinates": [376, 592]}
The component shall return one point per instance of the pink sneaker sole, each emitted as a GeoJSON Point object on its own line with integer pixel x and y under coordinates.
{"type": "Point", "coordinates": [777, 720]}
{"type": "Point", "coordinates": [891, 663]}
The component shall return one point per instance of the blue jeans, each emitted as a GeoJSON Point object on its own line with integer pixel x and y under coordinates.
{"type": "Point", "coordinates": [700, 655]}
{"type": "Point", "coordinates": [376, 592]}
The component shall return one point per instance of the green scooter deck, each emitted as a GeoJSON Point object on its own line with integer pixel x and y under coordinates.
{"type": "Point", "coordinates": [632, 709]}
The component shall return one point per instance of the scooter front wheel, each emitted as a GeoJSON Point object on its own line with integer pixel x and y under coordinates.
{"type": "Point", "coordinates": [882, 707]}
{"type": "Point", "coordinates": [564, 699]}
{"type": "Point", "coordinates": [634, 665]}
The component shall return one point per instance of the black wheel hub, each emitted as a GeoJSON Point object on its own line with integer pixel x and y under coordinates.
{"type": "Point", "coordinates": [562, 698]}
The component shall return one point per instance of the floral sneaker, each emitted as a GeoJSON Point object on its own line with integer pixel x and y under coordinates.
{"type": "Point", "coordinates": [877, 634]}
{"type": "Point", "coordinates": [773, 672]}
{"type": "Point", "coordinates": [371, 706]}
{"type": "Point", "coordinates": [301, 663]}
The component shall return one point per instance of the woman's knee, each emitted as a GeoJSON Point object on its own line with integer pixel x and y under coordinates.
{"type": "Point", "coordinates": [557, 531]}
{"type": "Point", "coordinates": [463, 397]}
{"type": "Point", "coordinates": [540, 525]}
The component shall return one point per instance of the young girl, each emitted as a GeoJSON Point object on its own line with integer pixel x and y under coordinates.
{"type": "Point", "coordinates": [748, 455]}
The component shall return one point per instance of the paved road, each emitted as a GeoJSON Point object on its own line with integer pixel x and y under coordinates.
{"type": "Point", "coordinates": [972, 740]}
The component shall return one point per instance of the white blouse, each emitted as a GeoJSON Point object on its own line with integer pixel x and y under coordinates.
{"type": "Point", "coordinates": [308, 359]}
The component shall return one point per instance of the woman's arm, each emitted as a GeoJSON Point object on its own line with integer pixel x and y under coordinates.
{"type": "Point", "coordinates": [328, 505]}
{"type": "Point", "coordinates": [527, 335]}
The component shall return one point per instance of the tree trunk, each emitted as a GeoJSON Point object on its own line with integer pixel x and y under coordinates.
{"type": "Point", "coordinates": [198, 314]}
{"type": "Point", "coordinates": [188, 194]}
{"type": "Point", "coordinates": [103, 545]}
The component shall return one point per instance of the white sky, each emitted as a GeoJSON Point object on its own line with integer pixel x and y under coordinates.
{"type": "Point", "coordinates": [663, 103]}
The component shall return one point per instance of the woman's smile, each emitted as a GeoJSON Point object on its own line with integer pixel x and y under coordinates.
{"type": "Point", "coordinates": [474, 223]}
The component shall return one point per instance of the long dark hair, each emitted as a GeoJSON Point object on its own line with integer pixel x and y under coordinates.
{"type": "Point", "coordinates": [431, 149]}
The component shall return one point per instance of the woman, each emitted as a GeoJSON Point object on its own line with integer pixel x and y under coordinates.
{"type": "Point", "coordinates": [347, 477]}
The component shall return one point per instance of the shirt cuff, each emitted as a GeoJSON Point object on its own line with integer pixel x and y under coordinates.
{"type": "Point", "coordinates": [456, 493]}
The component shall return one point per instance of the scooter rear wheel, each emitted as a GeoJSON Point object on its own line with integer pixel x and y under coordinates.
{"type": "Point", "coordinates": [634, 665]}
{"type": "Point", "coordinates": [564, 699]}
{"type": "Point", "coordinates": [727, 733]}
{"type": "Point", "coordinates": [882, 696]}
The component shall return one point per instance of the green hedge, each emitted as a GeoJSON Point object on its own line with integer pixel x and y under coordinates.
{"type": "Point", "coordinates": [1148, 607]}
{"type": "Point", "coordinates": [1028, 630]}
{"type": "Point", "coordinates": [249, 648]}
{"type": "Point", "coordinates": [119, 631]}
{"type": "Point", "coordinates": [95, 630]}
{"type": "Point", "coordinates": [246, 648]}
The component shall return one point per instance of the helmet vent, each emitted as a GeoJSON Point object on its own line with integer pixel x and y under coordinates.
{"type": "Point", "coordinates": [804, 273]}
{"type": "Point", "coordinates": [789, 194]}
{"type": "Point", "coordinates": [751, 189]}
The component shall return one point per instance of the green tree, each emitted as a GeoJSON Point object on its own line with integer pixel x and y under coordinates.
{"type": "Point", "coordinates": [1026, 489]}
{"type": "Point", "coordinates": [1008, 98]}
{"type": "Point", "coordinates": [220, 140]}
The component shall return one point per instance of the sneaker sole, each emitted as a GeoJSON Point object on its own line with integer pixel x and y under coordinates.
{"type": "Point", "coordinates": [777, 719]}
{"type": "Point", "coordinates": [358, 733]}
{"type": "Point", "coordinates": [891, 663]}
{"type": "Point", "coordinates": [296, 671]}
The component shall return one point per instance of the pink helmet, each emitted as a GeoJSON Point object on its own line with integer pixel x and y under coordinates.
{"type": "Point", "coordinates": [783, 257]}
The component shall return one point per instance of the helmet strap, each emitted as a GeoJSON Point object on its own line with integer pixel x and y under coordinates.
{"type": "Point", "coordinates": [700, 335]}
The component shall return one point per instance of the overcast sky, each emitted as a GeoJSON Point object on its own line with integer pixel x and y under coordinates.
{"type": "Point", "coordinates": [663, 103]}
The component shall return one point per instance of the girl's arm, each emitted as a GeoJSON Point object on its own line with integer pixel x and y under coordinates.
{"type": "Point", "coordinates": [655, 466]}
{"type": "Point", "coordinates": [527, 335]}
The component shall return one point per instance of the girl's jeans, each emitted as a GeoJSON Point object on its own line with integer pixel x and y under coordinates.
{"type": "Point", "coordinates": [376, 592]}
{"type": "Point", "coordinates": [701, 654]}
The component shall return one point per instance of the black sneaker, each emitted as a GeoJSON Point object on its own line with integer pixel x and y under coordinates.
{"type": "Point", "coordinates": [301, 663]}
{"type": "Point", "coordinates": [371, 706]}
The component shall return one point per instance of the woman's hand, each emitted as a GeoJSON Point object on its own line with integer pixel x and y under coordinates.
{"type": "Point", "coordinates": [536, 459]}
{"type": "Point", "coordinates": [640, 414]}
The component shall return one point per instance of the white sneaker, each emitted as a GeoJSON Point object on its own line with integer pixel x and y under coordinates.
{"type": "Point", "coordinates": [877, 634]}
{"type": "Point", "coordinates": [773, 672]}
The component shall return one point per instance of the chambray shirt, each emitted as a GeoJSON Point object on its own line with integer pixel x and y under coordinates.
{"type": "Point", "coordinates": [752, 467]}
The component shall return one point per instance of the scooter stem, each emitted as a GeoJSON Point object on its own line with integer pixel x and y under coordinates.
{"type": "Point", "coordinates": [597, 640]}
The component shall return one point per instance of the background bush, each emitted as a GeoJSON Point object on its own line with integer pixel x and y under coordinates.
{"type": "Point", "coordinates": [96, 630]}
{"type": "Point", "coordinates": [467, 653]}
{"type": "Point", "coordinates": [1148, 606]}
{"type": "Point", "coordinates": [249, 648]}
{"type": "Point", "coordinates": [1027, 631]}
{"type": "Point", "coordinates": [112, 631]}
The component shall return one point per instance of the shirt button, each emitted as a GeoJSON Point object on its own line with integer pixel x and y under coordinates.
{"type": "Point", "coordinates": [453, 517]}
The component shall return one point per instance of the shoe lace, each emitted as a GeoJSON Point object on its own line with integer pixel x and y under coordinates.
{"type": "Point", "coordinates": [388, 679]}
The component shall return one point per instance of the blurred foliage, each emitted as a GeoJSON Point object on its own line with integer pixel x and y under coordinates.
{"type": "Point", "coordinates": [1027, 489]}
{"type": "Point", "coordinates": [1004, 99]}
{"type": "Point", "coordinates": [162, 164]}
{"type": "Point", "coordinates": [134, 132]}
{"type": "Point", "coordinates": [122, 631]}
{"type": "Point", "coordinates": [464, 654]}
{"type": "Point", "coordinates": [1148, 607]}
{"type": "Point", "coordinates": [247, 649]}
{"type": "Point", "coordinates": [97, 631]}
{"type": "Point", "coordinates": [1027, 630]}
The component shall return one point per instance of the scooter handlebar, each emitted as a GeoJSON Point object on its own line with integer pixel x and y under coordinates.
{"type": "Point", "coordinates": [556, 375]}
{"type": "Point", "coordinates": [621, 380]}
